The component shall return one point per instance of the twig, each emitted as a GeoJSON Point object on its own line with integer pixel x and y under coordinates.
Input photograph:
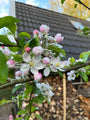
{"type": "Point", "coordinates": [8, 45]}
{"type": "Point", "coordinates": [80, 2]}
{"type": "Point", "coordinates": [30, 79]}
{"type": "Point", "coordinates": [15, 82]}
{"type": "Point", "coordinates": [77, 66]}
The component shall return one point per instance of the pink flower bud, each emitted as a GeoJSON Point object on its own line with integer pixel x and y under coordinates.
{"type": "Point", "coordinates": [27, 49]}
{"type": "Point", "coordinates": [18, 74]}
{"type": "Point", "coordinates": [46, 52]}
{"type": "Point", "coordinates": [6, 52]}
{"type": "Point", "coordinates": [37, 77]}
{"type": "Point", "coordinates": [44, 29]}
{"type": "Point", "coordinates": [59, 38]}
{"type": "Point", "coordinates": [10, 117]}
{"type": "Point", "coordinates": [38, 50]}
{"type": "Point", "coordinates": [51, 39]}
{"type": "Point", "coordinates": [3, 47]}
{"type": "Point", "coordinates": [35, 32]}
{"type": "Point", "coordinates": [11, 63]}
{"type": "Point", "coordinates": [17, 116]}
{"type": "Point", "coordinates": [46, 60]}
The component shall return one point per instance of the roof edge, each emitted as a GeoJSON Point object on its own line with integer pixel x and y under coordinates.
{"type": "Point", "coordinates": [54, 12]}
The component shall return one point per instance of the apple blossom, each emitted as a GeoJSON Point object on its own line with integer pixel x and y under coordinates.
{"type": "Point", "coordinates": [18, 74]}
{"type": "Point", "coordinates": [37, 76]}
{"type": "Point", "coordinates": [50, 39]}
{"type": "Point", "coordinates": [44, 29]}
{"type": "Point", "coordinates": [27, 49]}
{"type": "Point", "coordinates": [3, 47]}
{"type": "Point", "coordinates": [11, 117]}
{"type": "Point", "coordinates": [38, 50]}
{"type": "Point", "coordinates": [11, 63]}
{"type": "Point", "coordinates": [58, 38]}
{"type": "Point", "coordinates": [46, 90]}
{"type": "Point", "coordinates": [35, 33]}
{"type": "Point", "coordinates": [79, 60]}
{"type": "Point", "coordinates": [71, 75]}
{"type": "Point", "coordinates": [46, 60]}
{"type": "Point", "coordinates": [46, 52]}
{"type": "Point", "coordinates": [32, 64]}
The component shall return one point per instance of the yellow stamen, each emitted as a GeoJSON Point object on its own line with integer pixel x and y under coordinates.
{"type": "Point", "coordinates": [57, 64]}
{"type": "Point", "coordinates": [31, 63]}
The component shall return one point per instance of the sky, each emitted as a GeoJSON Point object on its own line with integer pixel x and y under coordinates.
{"type": "Point", "coordinates": [4, 5]}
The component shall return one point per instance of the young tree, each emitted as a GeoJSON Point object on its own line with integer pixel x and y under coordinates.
{"type": "Point", "coordinates": [76, 8]}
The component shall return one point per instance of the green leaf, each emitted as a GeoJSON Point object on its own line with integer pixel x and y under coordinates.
{"type": "Point", "coordinates": [33, 109]}
{"type": "Point", "coordinates": [9, 22]}
{"type": "Point", "coordinates": [86, 30]}
{"type": "Point", "coordinates": [17, 58]}
{"type": "Point", "coordinates": [62, 1]}
{"type": "Point", "coordinates": [21, 42]}
{"type": "Point", "coordinates": [72, 60]}
{"type": "Point", "coordinates": [39, 99]}
{"type": "Point", "coordinates": [27, 117]}
{"type": "Point", "coordinates": [85, 56]}
{"type": "Point", "coordinates": [75, 5]}
{"type": "Point", "coordinates": [56, 49]}
{"type": "Point", "coordinates": [3, 68]}
{"type": "Point", "coordinates": [33, 42]}
{"type": "Point", "coordinates": [24, 34]}
{"type": "Point", "coordinates": [5, 40]}
{"type": "Point", "coordinates": [60, 73]}
{"type": "Point", "coordinates": [16, 88]}
{"type": "Point", "coordinates": [38, 116]}
{"type": "Point", "coordinates": [2, 102]}
{"type": "Point", "coordinates": [83, 75]}
{"type": "Point", "coordinates": [22, 112]}
{"type": "Point", "coordinates": [28, 90]}
{"type": "Point", "coordinates": [77, 1]}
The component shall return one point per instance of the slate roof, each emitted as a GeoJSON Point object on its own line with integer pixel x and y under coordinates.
{"type": "Point", "coordinates": [32, 17]}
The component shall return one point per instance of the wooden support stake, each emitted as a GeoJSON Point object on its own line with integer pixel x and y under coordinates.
{"type": "Point", "coordinates": [64, 96]}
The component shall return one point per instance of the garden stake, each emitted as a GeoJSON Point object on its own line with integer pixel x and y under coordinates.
{"type": "Point", "coordinates": [64, 96]}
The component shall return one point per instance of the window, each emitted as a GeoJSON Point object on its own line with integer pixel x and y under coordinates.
{"type": "Point", "coordinates": [77, 25]}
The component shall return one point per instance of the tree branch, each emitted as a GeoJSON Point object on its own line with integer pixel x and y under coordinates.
{"type": "Point", "coordinates": [80, 2]}
{"type": "Point", "coordinates": [30, 79]}
{"type": "Point", "coordinates": [77, 66]}
{"type": "Point", "coordinates": [15, 82]}
{"type": "Point", "coordinates": [8, 45]}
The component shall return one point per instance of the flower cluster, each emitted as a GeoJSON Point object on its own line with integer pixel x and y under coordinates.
{"type": "Point", "coordinates": [46, 90]}
{"type": "Point", "coordinates": [44, 57]}
{"type": "Point", "coordinates": [12, 118]}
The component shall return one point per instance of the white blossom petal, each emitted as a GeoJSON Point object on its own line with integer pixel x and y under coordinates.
{"type": "Point", "coordinates": [26, 57]}
{"type": "Point", "coordinates": [25, 67]}
{"type": "Point", "coordinates": [60, 69]}
{"type": "Point", "coordinates": [53, 68]}
{"type": "Point", "coordinates": [46, 71]}
{"type": "Point", "coordinates": [39, 66]}
{"type": "Point", "coordinates": [34, 70]}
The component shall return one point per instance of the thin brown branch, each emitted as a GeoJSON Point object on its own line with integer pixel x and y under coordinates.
{"type": "Point", "coordinates": [16, 40]}
{"type": "Point", "coordinates": [80, 2]}
{"type": "Point", "coordinates": [30, 79]}
{"type": "Point", "coordinates": [8, 45]}
{"type": "Point", "coordinates": [77, 66]}
{"type": "Point", "coordinates": [15, 82]}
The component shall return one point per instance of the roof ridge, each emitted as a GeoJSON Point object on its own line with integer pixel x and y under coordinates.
{"type": "Point", "coordinates": [53, 11]}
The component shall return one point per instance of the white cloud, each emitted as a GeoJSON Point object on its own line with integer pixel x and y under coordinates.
{"type": "Point", "coordinates": [2, 14]}
{"type": "Point", "coordinates": [4, 2]}
{"type": "Point", "coordinates": [32, 2]}
{"type": "Point", "coordinates": [4, 7]}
